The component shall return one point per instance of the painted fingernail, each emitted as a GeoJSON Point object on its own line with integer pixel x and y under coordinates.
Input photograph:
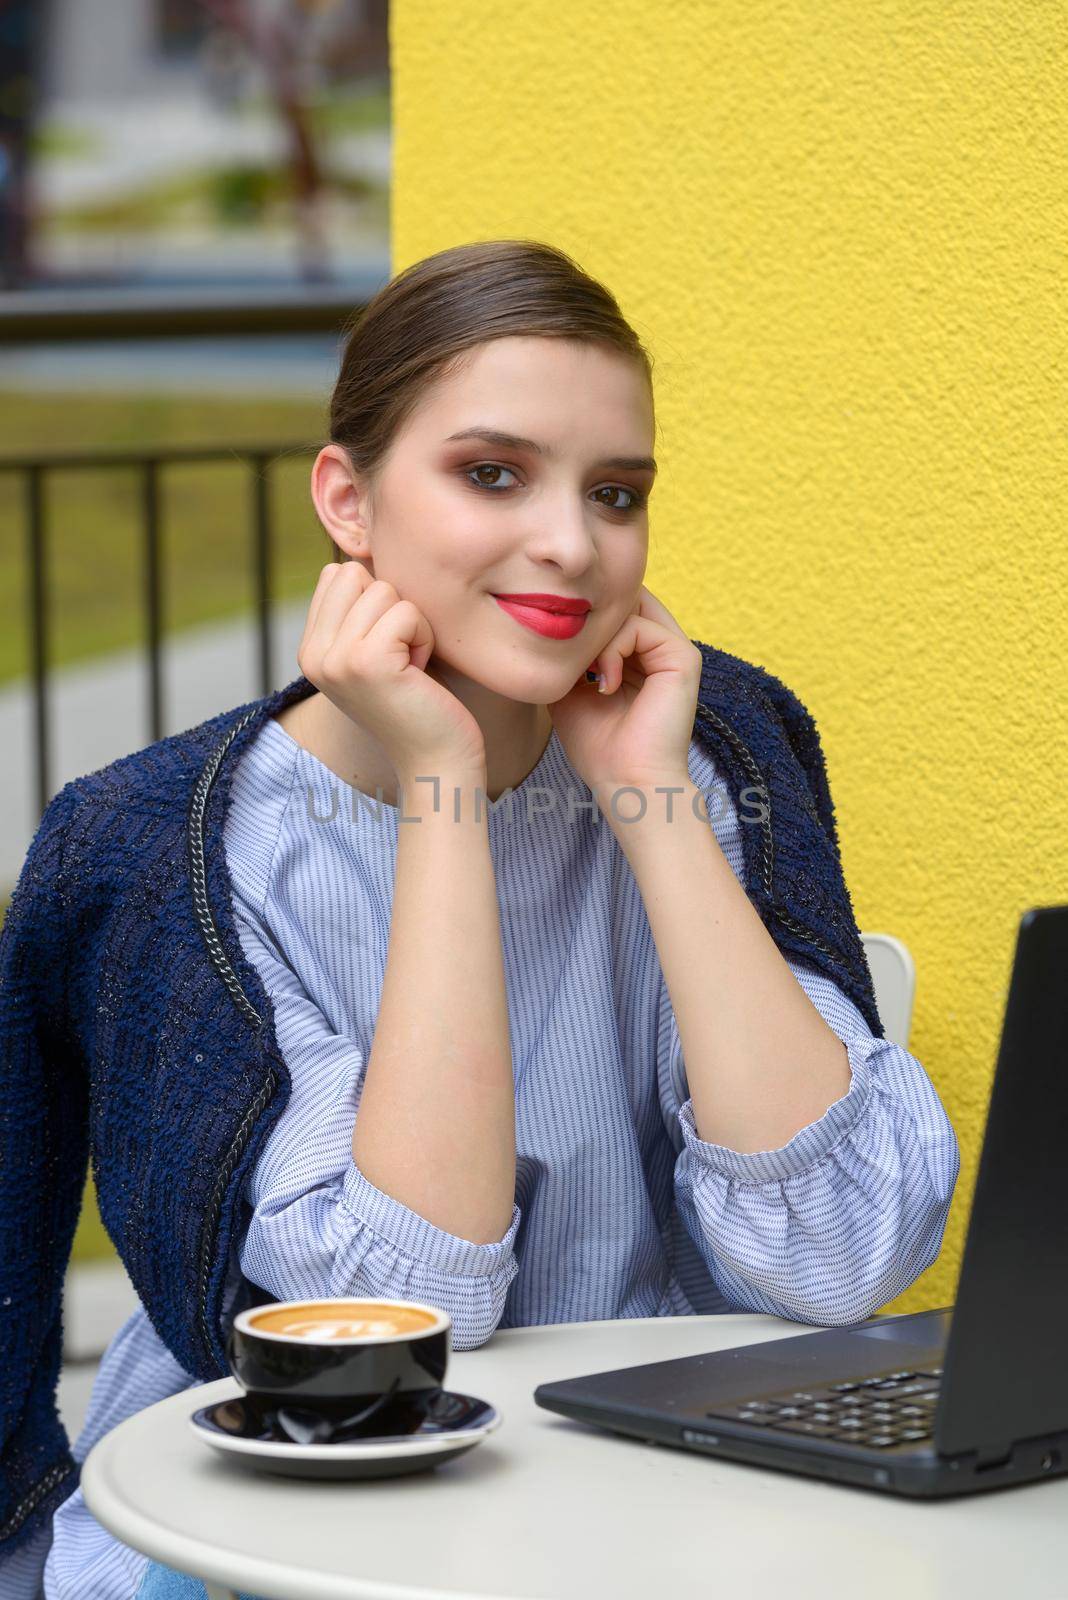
{"type": "Point", "coordinates": [591, 676]}
{"type": "Point", "coordinates": [602, 683]}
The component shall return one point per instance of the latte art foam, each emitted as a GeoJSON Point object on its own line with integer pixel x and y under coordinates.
{"type": "Point", "coordinates": [348, 1320]}
{"type": "Point", "coordinates": [341, 1328]}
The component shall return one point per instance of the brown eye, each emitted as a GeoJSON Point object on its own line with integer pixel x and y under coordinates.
{"type": "Point", "coordinates": [636, 500]}
{"type": "Point", "coordinates": [487, 466]}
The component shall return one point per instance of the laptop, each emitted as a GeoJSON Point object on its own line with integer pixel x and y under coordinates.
{"type": "Point", "coordinates": [930, 1403]}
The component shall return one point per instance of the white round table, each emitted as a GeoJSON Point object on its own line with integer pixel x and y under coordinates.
{"type": "Point", "coordinates": [549, 1509]}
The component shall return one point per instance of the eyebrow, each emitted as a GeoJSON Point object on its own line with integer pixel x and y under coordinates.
{"type": "Point", "coordinates": [514, 441]}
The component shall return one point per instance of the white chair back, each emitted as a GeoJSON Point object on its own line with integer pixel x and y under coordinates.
{"type": "Point", "coordinates": [893, 974]}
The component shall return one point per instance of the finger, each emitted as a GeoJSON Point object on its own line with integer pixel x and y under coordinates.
{"type": "Point", "coordinates": [408, 625]}
{"type": "Point", "coordinates": [343, 591]}
{"type": "Point", "coordinates": [654, 647]}
{"type": "Point", "coordinates": [361, 615]}
{"type": "Point", "coordinates": [328, 573]}
{"type": "Point", "coordinates": [399, 625]}
{"type": "Point", "coordinates": [652, 608]}
{"type": "Point", "coordinates": [611, 659]}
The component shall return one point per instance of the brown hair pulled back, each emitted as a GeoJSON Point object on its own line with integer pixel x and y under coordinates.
{"type": "Point", "coordinates": [426, 317]}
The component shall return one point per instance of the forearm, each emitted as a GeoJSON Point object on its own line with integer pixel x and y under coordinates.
{"type": "Point", "coordinates": [435, 1127]}
{"type": "Point", "coordinates": [761, 1062]}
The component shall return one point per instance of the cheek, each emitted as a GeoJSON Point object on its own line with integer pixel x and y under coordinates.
{"type": "Point", "coordinates": [625, 571]}
{"type": "Point", "coordinates": [471, 548]}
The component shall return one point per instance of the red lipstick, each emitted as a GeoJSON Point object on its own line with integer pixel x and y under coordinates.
{"type": "Point", "coordinates": [552, 615]}
{"type": "Point", "coordinates": [549, 602]}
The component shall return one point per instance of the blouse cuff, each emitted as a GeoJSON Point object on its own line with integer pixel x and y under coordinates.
{"type": "Point", "coordinates": [408, 1231]}
{"type": "Point", "coordinates": [808, 1146]}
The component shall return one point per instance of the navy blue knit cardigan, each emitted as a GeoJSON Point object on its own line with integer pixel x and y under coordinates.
{"type": "Point", "coordinates": [134, 1031]}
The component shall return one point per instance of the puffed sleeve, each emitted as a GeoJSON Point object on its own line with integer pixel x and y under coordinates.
{"type": "Point", "coordinates": [850, 1211]}
{"type": "Point", "coordinates": [319, 1226]}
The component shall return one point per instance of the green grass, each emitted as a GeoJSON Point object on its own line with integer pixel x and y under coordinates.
{"type": "Point", "coordinates": [58, 139]}
{"type": "Point", "coordinates": [338, 112]}
{"type": "Point", "coordinates": [233, 196]}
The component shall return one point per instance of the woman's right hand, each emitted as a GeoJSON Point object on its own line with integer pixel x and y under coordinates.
{"type": "Point", "coordinates": [366, 649]}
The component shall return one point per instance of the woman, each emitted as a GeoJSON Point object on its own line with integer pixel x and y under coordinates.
{"type": "Point", "coordinates": [605, 1046]}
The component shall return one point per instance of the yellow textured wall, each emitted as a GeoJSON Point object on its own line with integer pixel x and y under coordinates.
{"type": "Point", "coordinates": [840, 229]}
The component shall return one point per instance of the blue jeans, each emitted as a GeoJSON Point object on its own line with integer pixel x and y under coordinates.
{"type": "Point", "coordinates": [163, 1583]}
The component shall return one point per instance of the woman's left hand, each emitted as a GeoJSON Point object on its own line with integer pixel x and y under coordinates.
{"type": "Point", "coordinates": [639, 730]}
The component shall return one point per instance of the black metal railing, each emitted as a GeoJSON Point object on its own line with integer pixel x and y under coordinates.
{"type": "Point", "coordinates": [32, 318]}
{"type": "Point", "coordinates": [149, 466]}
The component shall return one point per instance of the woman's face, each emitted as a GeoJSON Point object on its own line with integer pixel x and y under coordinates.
{"type": "Point", "coordinates": [457, 520]}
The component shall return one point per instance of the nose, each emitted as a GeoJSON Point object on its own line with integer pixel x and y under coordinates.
{"type": "Point", "coordinates": [564, 534]}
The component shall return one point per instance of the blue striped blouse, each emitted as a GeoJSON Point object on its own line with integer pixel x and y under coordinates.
{"type": "Point", "coordinates": [620, 1209]}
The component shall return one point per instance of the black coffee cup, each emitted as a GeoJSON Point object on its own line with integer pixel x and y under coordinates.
{"type": "Point", "coordinates": [340, 1367]}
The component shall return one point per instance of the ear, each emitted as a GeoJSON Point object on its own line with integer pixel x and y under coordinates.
{"type": "Point", "coordinates": [341, 502]}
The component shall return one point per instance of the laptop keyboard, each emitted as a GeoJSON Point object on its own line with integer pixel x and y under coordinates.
{"type": "Point", "coordinates": [893, 1408]}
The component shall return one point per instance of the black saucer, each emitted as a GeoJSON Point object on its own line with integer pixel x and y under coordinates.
{"type": "Point", "coordinates": [432, 1431]}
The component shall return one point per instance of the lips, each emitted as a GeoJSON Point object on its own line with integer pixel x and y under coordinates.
{"type": "Point", "coordinates": [550, 624]}
{"type": "Point", "coordinates": [548, 602]}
